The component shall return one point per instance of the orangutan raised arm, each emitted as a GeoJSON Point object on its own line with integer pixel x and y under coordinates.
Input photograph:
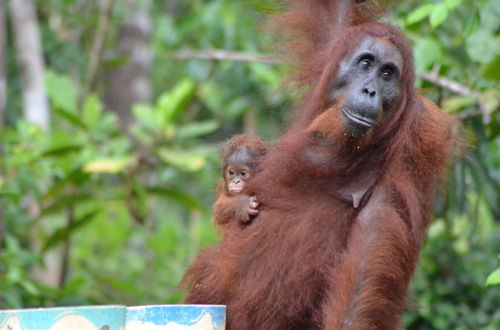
{"type": "Point", "coordinates": [345, 196]}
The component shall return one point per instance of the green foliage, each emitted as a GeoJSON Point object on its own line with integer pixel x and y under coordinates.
{"type": "Point", "coordinates": [86, 181]}
{"type": "Point", "coordinates": [448, 289]}
{"type": "Point", "coordinates": [494, 277]}
{"type": "Point", "coordinates": [459, 40]}
{"type": "Point", "coordinates": [133, 209]}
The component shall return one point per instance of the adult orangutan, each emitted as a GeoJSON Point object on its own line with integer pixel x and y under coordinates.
{"type": "Point", "coordinates": [345, 195]}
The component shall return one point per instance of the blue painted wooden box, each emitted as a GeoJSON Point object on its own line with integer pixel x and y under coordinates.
{"type": "Point", "coordinates": [110, 317]}
{"type": "Point", "coordinates": [176, 317]}
{"type": "Point", "coordinates": [64, 318]}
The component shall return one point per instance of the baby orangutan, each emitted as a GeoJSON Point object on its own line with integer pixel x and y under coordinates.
{"type": "Point", "coordinates": [240, 159]}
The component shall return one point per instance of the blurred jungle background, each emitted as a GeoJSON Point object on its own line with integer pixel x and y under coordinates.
{"type": "Point", "coordinates": [112, 114]}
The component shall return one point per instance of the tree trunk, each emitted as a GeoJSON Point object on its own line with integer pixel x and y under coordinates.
{"type": "Point", "coordinates": [3, 93]}
{"type": "Point", "coordinates": [3, 57]}
{"type": "Point", "coordinates": [30, 60]}
{"type": "Point", "coordinates": [130, 83]}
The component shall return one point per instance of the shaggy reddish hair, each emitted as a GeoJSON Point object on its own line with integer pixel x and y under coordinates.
{"type": "Point", "coordinates": [255, 145]}
{"type": "Point", "coordinates": [336, 242]}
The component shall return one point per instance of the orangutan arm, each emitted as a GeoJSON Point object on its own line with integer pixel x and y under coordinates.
{"type": "Point", "coordinates": [240, 208]}
{"type": "Point", "coordinates": [371, 281]}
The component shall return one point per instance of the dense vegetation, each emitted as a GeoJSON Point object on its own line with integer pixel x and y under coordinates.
{"type": "Point", "coordinates": [95, 213]}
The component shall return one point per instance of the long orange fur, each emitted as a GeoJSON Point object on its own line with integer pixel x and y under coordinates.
{"type": "Point", "coordinates": [311, 260]}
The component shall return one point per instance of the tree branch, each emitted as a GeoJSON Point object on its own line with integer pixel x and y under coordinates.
{"type": "Point", "coordinates": [3, 58]}
{"type": "Point", "coordinates": [98, 46]}
{"type": "Point", "coordinates": [448, 84]}
{"type": "Point", "coordinates": [223, 55]}
{"type": "Point", "coordinates": [459, 89]}
{"type": "Point", "coordinates": [431, 77]}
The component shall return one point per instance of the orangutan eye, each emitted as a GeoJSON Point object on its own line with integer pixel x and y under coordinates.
{"type": "Point", "coordinates": [387, 74]}
{"type": "Point", "coordinates": [365, 64]}
{"type": "Point", "coordinates": [388, 71]}
{"type": "Point", "coordinates": [243, 173]}
{"type": "Point", "coordinates": [230, 172]}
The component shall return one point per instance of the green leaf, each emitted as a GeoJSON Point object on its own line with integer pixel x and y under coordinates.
{"type": "Point", "coordinates": [117, 284]}
{"type": "Point", "coordinates": [491, 70]}
{"type": "Point", "coordinates": [427, 53]}
{"type": "Point", "coordinates": [61, 150]}
{"type": "Point", "coordinates": [70, 117]}
{"type": "Point", "coordinates": [115, 62]}
{"type": "Point", "coordinates": [452, 4]}
{"type": "Point", "coordinates": [171, 103]}
{"type": "Point", "coordinates": [29, 287]}
{"type": "Point", "coordinates": [438, 15]}
{"type": "Point", "coordinates": [265, 6]}
{"type": "Point", "coordinates": [235, 108]}
{"type": "Point", "coordinates": [146, 115]}
{"type": "Point", "coordinates": [60, 91]}
{"type": "Point", "coordinates": [107, 165]}
{"type": "Point", "coordinates": [72, 287]}
{"type": "Point", "coordinates": [482, 46]}
{"type": "Point", "coordinates": [471, 24]}
{"type": "Point", "coordinates": [185, 161]}
{"type": "Point", "coordinates": [142, 134]}
{"type": "Point", "coordinates": [454, 103]}
{"type": "Point", "coordinates": [489, 16]}
{"type": "Point", "coordinates": [494, 278]}
{"type": "Point", "coordinates": [92, 110]}
{"type": "Point", "coordinates": [196, 129]}
{"type": "Point", "coordinates": [211, 95]}
{"type": "Point", "coordinates": [177, 196]}
{"type": "Point", "coordinates": [9, 194]}
{"type": "Point", "coordinates": [491, 100]}
{"type": "Point", "coordinates": [74, 178]}
{"type": "Point", "coordinates": [62, 234]}
{"type": "Point", "coordinates": [64, 201]}
{"type": "Point", "coordinates": [420, 13]}
{"type": "Point", "coordinates": [266, 74]}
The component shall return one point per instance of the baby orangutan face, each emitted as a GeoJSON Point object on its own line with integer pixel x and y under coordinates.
{"type": "Point", "coordinates": [238, 170]}
{"type": "Point", "coordinates": [236, 178]}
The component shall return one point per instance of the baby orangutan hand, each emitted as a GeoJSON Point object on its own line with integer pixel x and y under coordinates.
{"type": "Point", "coordinates": [246, 208]}
{"type": "Point", "coordinates": [253, 205]}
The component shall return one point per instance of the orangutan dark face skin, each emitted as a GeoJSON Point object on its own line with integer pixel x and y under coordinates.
{"type": "Point", "coordinates": [367, 85]}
